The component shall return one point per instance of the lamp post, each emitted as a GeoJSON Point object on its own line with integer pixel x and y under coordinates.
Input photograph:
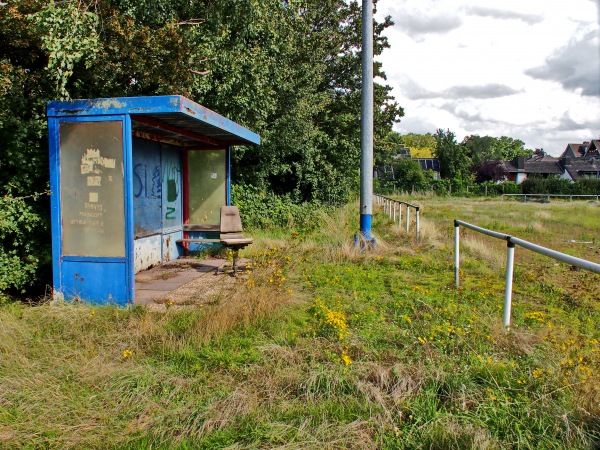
{"type": "Point", "coordinates": [366, 139]}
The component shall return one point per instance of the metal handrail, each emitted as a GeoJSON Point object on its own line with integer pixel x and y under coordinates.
{"type": "Point", "coordinates": [511, 243]}
{"type": "Point", "coordinates": [597, 197]}
{"type": "Point", "coordinates": [389, 206]}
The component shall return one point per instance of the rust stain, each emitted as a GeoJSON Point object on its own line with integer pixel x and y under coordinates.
{"type": "Point", "coordinates": [110, 103]}
{"type": "Point", "coordinates": [191, 111]}
{"type": "Point", "coordinates": [71, 111]}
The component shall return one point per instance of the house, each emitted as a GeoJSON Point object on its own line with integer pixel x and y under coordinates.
{"type": "Point", "coordinates": [581, 160]}
{"type": "Point", "coordinates": [432, 164]}
{"type": "Point", "coordinates": [540, 164]}
{"type": "Point", "coordinates": [576, 162]}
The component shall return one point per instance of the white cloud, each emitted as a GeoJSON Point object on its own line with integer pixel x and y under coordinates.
{"type": "Point", "coordinates": [574, 65]}
{"type": "Point", "coordinates": [525, 69]}
{"type": "Point", "coordinates": [504, 14]}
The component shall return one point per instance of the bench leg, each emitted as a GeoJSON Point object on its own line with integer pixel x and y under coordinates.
{"type": "Point", "coordinates": [235, 260]}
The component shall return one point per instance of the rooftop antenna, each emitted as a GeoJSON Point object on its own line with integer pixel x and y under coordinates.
{"type": "Point", "coordinates": [366, 135]}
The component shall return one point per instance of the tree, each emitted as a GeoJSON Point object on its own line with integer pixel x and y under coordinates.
{"type": "Point", "coordinates": [385, 149]}
{"type": "Point", "coordinates": [511, 148]}
{"type": "Point", "coordinates": [486, 148]}
{"type": "Point", "coordinates": [489, 171]}
{"type": "Point", "coordinates": [454, 162]}
{"type": "Point", "coordinates": [408, 174]}
{"type": "Point", "coordinates": [288, 70]}
{"type": "Point", "coordinates": [420, 145]}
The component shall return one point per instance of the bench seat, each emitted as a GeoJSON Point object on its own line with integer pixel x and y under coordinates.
{"type": "Point", "coordinates": [183, 241]}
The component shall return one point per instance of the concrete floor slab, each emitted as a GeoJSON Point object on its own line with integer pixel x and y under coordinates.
{"type": "Point", "coordinates": [159, 281]}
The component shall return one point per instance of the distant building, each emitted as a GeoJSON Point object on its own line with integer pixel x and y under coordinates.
{"type": "Point", "coordinates": [402, 153]}
{"type": "Point", "coordinates": [432, 164]}
{"type": "Point", "coordinates": [576, 162]}
{"type": "Point", "coordinates": [522, 167]}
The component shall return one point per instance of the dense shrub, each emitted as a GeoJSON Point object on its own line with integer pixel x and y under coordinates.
{"type": "Point", "coordinates": [262, 209]}
{"type": "Point", "coordinates": [550, 185]}
{"type": "Point", "coordinates": [587, 186]}
{"type": "Point", "coordinates": [22, 243]}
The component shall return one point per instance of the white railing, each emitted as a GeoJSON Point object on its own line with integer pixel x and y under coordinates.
{"type": "Point", "coordinates": [548, 196]}
{"type": "Point", "coordinates": [391, 205]}
{"type": "Point", "coordinates": [511, 243]}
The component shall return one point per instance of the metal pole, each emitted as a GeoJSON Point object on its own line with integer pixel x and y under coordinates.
{"type": "Point", "coordinates": [510, 263]}
{"type": "Point", "coordinates": [456, 252]}
{"type": "Point", "coordinates": [417, 223]}
{"type": "Point", "coordinates": [407, 217]}
{"type": "Point", "coordinates": [366, 138]}
{"type": "Point", "coordinates": [400, 216]}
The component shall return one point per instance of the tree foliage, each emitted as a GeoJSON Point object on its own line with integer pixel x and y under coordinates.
{"type": "Point", "coordinates": [288, 70]}
{"type": "Point", "coordinates": [489, 171]}
{"type": "Point", "coordinates": [420, 145]}
{"type": "Point", "coordinates": [487, 148]}
{"type": "Point", "coordinates": [454, 161]}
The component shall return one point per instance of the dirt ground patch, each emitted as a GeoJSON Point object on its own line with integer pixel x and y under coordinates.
{"type": "Point", "coordinates": [185, 283]}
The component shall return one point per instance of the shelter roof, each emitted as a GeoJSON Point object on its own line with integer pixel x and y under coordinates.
{"type": "Point", "coordinates": [172, 118]}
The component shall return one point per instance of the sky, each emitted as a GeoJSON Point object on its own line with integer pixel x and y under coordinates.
{"type": "Point", "coordinates": [528, 69]}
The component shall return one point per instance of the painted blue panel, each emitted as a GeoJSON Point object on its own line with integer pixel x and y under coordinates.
{"type": "Point", "coordinates": [172, 193]}
{"type": "Point", "coordinates": [118, 105]}
{"type": "Point", "coordinates": [95, 282]}
{"type": "Point", "coordinates": [195, 247]}
{"type": "Point", "coordinates": [147, 188]}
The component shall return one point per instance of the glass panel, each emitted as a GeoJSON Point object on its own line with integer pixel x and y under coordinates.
{"type": "Point", "coordinates": [92, 194]}
{"type": "Point", "coordinates": [207, 179]}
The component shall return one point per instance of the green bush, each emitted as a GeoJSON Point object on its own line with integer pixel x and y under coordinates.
{"type": "Point", "coordinates": [22, 253]}
{"type": "Point", "coordinates": [262, 209]}
{"type": "Point", "coordinates": [587, 186]}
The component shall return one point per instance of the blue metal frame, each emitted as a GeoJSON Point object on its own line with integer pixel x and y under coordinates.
{"type": "Point", "coordinates": [70, 272]}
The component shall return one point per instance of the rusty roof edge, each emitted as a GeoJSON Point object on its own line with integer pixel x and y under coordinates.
{"type": "Point", "coordinates": [162, 104]}
{"type": "Point", "coordinates": [210, 117]}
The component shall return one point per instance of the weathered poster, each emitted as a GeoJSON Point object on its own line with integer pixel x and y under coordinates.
{"type": "Point", "coordinates": [92, 190]}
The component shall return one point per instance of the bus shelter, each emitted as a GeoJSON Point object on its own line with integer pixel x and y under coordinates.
{"type": "Point", "coordinates": [129, 178]}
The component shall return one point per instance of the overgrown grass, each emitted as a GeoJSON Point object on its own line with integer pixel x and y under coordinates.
{"type": "Point", "coordinates": [327, 346]}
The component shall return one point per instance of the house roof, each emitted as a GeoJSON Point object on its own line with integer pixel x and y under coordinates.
{"type": "Point", "coordinates": [542, 165]}
{"type": "Point", "coordinates": [575, 150]}
{"type": "Point", "coordinates": [171, 117]}
{"type": "Point", "coordinates": [578, 168]}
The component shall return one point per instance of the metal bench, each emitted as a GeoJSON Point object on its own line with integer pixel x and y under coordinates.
{"type": "Point", "coordinates": [230, 236]}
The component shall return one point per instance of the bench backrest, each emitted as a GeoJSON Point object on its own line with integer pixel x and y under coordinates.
{"type": "Point", "coordinates": [230, 219]}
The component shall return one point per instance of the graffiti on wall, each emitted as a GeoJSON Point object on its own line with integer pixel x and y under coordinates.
{"type": "Point", "coordinates": [171, 176]}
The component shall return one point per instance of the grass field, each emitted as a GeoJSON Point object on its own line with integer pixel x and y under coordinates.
{"type": "Point", "coordinates": [327, 346]}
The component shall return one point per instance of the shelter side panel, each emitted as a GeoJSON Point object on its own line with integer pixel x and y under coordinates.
{"type": "Point", "coordinates": [207, 173]}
